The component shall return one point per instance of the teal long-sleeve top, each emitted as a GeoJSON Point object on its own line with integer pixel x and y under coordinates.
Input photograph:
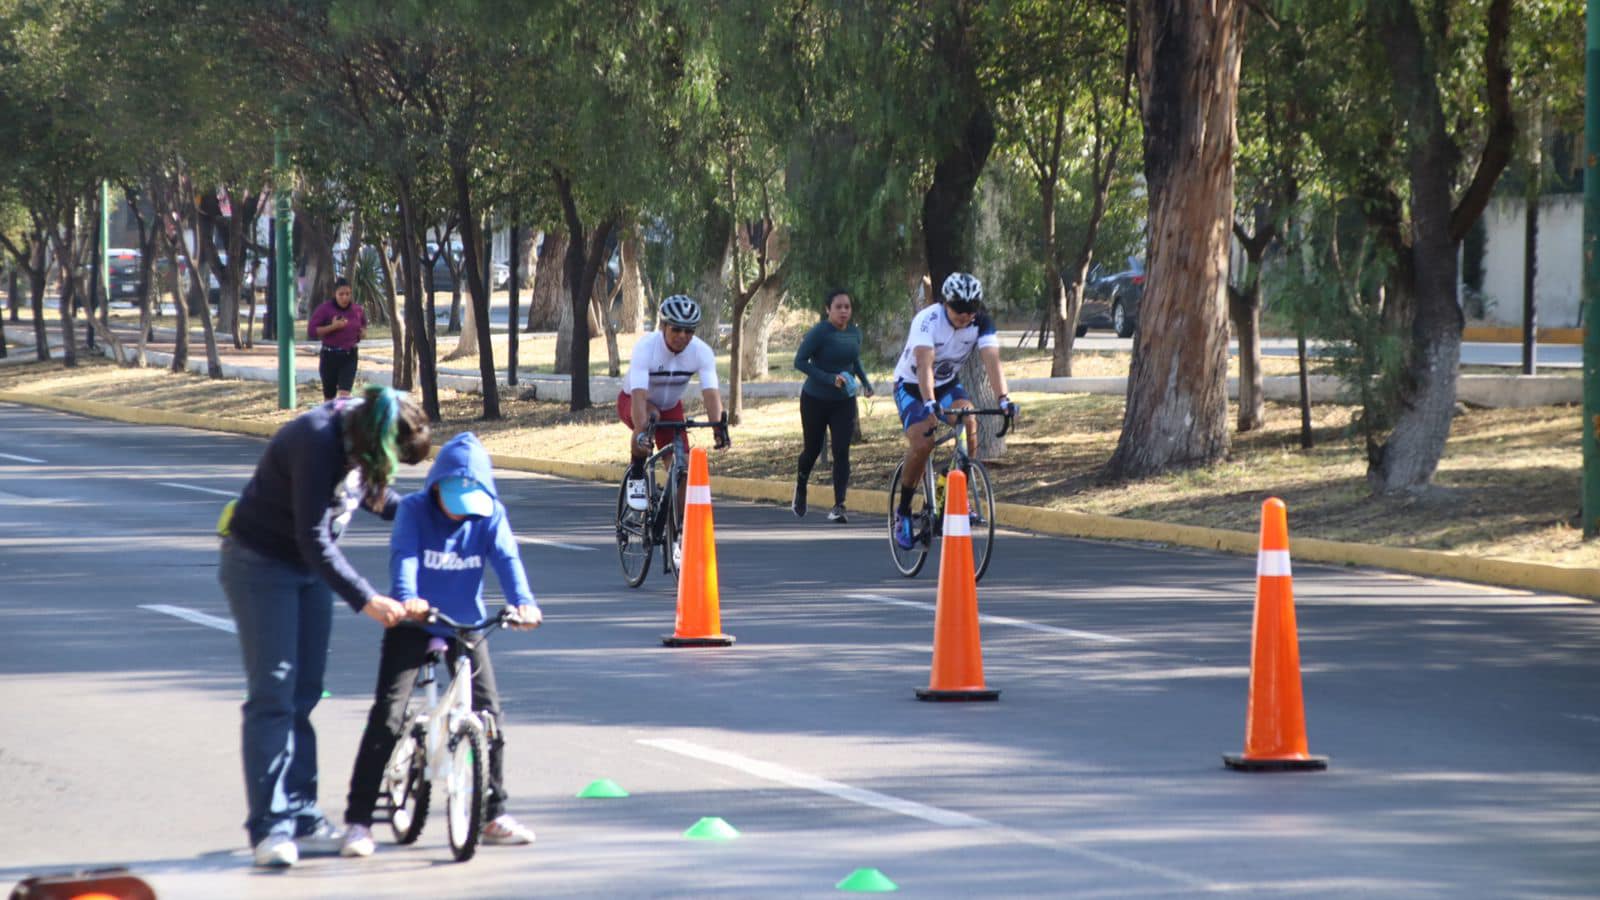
{"type": "Point", "coordinates": [824, 353]}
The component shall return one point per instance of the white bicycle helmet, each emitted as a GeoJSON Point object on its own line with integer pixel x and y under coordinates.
{"type": "Point", "coordinates": [962, 288]}
{"type": "Point", "coordinates": [680, 310]}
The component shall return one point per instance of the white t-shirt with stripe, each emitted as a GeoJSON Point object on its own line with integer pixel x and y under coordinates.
{"type": "Point", "coordinates": [951, 345]}
{"type": "Point", "coordinates": [655, 368]}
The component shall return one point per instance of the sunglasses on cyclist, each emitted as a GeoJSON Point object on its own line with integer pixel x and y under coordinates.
{"type": "Point", "coordinates": [962, 307]}
{"type": "Point", "coordinates": [679, 329]}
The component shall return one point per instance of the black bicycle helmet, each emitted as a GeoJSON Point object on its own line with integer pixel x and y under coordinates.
{"type": "Point", "coordinates": [680, 310]}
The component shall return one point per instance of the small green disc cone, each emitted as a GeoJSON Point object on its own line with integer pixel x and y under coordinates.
{"type": "Point", "coordinates": [602, 789]}
{"type": "Point", "coordinates": [867, 881]}
{"type": "Point", "coordinates": [326, 693]}
{"type": "Point", "coordinates": [711, 828]}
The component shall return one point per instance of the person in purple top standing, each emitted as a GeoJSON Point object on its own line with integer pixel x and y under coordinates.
{"type": "Point", "coordinates": [340, 324]}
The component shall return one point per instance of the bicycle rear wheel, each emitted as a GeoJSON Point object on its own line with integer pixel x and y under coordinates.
{"type": "Point", "coordinates": [633, 538]}
{"type": "Point", "coordinates": [980, 509]}
{"type": "Point", "coordinates": [910, 560]}
{"type": "Point", "coordinates": [467, 792]}
{"type": "Point", "coordinates": [406, 788]}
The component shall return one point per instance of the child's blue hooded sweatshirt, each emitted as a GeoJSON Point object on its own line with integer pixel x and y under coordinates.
{"type": "Point", "coordinates": [441, 560]}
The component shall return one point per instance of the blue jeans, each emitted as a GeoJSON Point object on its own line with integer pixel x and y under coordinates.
{"type": "Point", "coordinates": [284, 614]}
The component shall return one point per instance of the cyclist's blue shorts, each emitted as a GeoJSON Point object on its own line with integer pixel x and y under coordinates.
{"type": "Point", "coordinates": [908, 399]}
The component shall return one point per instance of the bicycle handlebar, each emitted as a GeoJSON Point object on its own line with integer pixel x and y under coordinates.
{"type": "Point", "coordinates": [435, 617]}
{"type": "Point", "coordinates": [964, 412]}
{"type": "Point", "coordinates": [690, 423]}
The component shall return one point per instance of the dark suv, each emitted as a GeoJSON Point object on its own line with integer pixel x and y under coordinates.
{"type": "Point", "coordinates": [1111, 299]}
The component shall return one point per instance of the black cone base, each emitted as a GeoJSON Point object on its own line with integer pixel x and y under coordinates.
{"type": "Point", "coordinates": [1309, 764]}
{"type": "Point", "coordinates": [956, 696]}
{"type": "Point", "coordinates": [719, 640]}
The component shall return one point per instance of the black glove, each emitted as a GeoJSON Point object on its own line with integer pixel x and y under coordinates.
{"type": "Point", "coordinates": [1007, 407]}
{"type": "Point", "coordinates": [721, 437]}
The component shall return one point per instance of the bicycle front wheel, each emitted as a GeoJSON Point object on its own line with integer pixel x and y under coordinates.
{"type": "Point", "coordinates": [980, 510]}
{"type": "Point", "coordinates": [406, 788]}
{"type": "Point", "coordinates": [672, 535]}
{"type": "Point", "coordinates": [909, 560]}
{"type": "Point", "coordinates": [633, 538]}
{"type": "Point", "coordinates": [466, 792]}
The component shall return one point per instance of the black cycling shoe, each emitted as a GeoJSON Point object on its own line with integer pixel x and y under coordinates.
{"type": "Point", "coordinates": [837, 514]}
{"type": "Point", "coordinates": [799, 504]}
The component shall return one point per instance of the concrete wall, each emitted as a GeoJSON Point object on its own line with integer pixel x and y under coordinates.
{"type": "Point", "coordinates": [1558, 278]}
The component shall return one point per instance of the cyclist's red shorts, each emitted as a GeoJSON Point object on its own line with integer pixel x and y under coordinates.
{"type": "Point", "coordinates": [663, 435]}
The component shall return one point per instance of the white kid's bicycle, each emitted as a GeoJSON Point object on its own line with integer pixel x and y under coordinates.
{"type": "Point", "coordinates": [443, 741]}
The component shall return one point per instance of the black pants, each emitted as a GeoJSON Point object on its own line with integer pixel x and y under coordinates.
{"type": "Point", "coordinates": [838, 417]}
{"type": "Point", "coordinates": [338, 371]}
{"type": "Point", "coordinates": [404, 649]}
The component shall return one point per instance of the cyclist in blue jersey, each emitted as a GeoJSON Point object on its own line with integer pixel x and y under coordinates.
{"type": "Point", "coordinates": [927, 381]}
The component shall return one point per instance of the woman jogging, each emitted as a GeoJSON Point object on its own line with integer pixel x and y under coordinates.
{"type": "Point", "coordinates": [830, 356]}
{"type": "Point", "coordinates": [339, 323]}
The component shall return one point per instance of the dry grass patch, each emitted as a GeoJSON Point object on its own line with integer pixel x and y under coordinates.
{"type": "Point", "coordinates": [1507, 487]}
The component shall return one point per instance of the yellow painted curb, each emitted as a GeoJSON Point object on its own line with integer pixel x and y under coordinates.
{"type": "Point", "coordinates": [1509, 335]}
{"type": "Point", "coordinates": [1556, 579]}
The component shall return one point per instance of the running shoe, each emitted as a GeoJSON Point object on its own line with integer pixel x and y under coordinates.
{"type": "Point", "coordinates": [799, 503]}
{"type": "Point", "coordinates": [276, 851]}
{"type": "Point", "coordinates": [837, 514]}
{"type": "Point", "coordinates": [902, 532]}
{"type": "Point", "coordinates": [358, 841]}
{"type": "Point", "coordinates": [506, 831]}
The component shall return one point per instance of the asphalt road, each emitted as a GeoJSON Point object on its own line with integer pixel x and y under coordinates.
{"type": "Point", "coordinates": [1462, 722]}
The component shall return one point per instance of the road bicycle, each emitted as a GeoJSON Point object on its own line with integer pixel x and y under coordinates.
{"type": "Point", "coordinates": [641, 531]}
{"type": "Point", "coordinates": [927, 516]}
{"type": "Point", "coordinates": [443, 741]}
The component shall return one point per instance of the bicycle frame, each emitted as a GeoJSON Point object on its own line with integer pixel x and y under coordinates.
{"type": "Point", "coordinates": [447, 715]}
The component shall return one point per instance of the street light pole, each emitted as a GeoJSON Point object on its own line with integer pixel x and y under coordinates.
{"type": "Point", "coordinates": [283, 271]}
{"type": "Point", "coordinates": [1591, 275]}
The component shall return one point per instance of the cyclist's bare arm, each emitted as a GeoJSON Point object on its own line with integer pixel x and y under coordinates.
{"type": "Point", "coordinates": [713, 401]}
{"type": "Point", "coordinates": [643, 414]}
{"type": "Point", "coordinates": [924, 357]}
{"type": "Point", "coordinates": [991, 362]}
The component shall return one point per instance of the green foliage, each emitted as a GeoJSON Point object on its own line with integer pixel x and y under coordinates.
{"type": "Point", "coordinates": [1330, 286]}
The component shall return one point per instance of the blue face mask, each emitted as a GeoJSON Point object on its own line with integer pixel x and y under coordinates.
{"type": "Point", "coordinates": [850, 386]}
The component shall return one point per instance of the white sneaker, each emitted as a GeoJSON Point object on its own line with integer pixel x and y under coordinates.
{"type": "Point", "coordinates": [638, 494]}
{"type": "Point", "coordinates": [506, 831]}
{"type": "Point", "coordinates": [277, 851]}
{"type": "Point", "coordinates": [323, 840]}
{"type": "Point", "coordinates": [358, 841]}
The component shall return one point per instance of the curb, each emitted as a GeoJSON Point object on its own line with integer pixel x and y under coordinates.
{"type": "Point", "coordinates": [1572, 581]}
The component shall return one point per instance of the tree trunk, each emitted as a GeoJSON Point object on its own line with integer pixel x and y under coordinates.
{"type": "Point", "coordinates": [525, 250]}
{"type": "Point", "coordinates": [548, 296]}
{"type": "Point", "coordinates": [67, 253]}
{"type": "Point", "coordinates": [417, 333]}
{"type": "Point", "coordinates": [1177, 408]}
{"type": "Point", "coordinates": [947, 205]}
{"type": "Point", "coordinates": [1244, 308]}
{"type": "Point", "coordinates": [584, 258]}
{"type": "Point", "coordinates": [399, 368]}
{"type": "Point", "coordinates": [608, 325]}
{"type": "Point", "coordinates": [1410, 455]}
{"type": "Point", "coordinates": [476, 250]}
{"type": "Point", "coordinates": [711, 292]}
{"type": "Point", "coordinates": [41, 337]}
{"type": "Point", "coordinates": [763, 311]}
{"type": "Point", "coordinates": [630, 311]}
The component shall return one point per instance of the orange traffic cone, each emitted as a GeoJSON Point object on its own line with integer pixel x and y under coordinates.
{"type": "Point", "coordinates": [1275, 722]}
{"type": "Point", "coordinates": [699, 611]}
{"type": "Point", "coordinates": [957, 650]}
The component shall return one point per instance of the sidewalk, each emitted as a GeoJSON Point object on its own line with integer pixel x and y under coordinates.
{"type": "Point", "coordinates": [260, 364]}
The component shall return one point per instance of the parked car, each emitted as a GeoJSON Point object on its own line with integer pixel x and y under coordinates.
{"type": "Point", "coordinates": [1111, 299]}
{"type": "Point", "coordinates": [122, 273]}
{"type": "Point", "coordinates": [444, 281]}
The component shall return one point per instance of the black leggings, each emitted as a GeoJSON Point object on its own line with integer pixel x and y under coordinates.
{"type": "Point", "coordinates": [338, 371]}
{"type": "Point", "coordinates": [837, 416]}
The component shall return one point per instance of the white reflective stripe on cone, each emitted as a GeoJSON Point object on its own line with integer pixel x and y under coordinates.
{"type": "Point", "coordinates": [957, 526]}
{"type": "Point", "coordinates": [1272, 562]}
{"type": "Point", "coordinates": [699, 494]}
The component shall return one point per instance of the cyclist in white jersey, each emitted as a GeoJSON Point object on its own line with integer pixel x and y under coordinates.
{"type": "Point", "coordinates": [658, 374]}
{"type": "Point", "coordinates": [927, 379]}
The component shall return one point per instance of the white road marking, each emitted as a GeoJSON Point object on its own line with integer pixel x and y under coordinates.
{"type": "Point", "coordinates": [203, 490]}
{"type": "Point", "coordinates": [193, 615]}
{"type": "Point", "coordinates": [1003, 620]}
{"type": "Point", "coordinates": [550, 543]}
{"type": "Point", "coordinates": [26, 459]}
{"type": "Point", "coordinates": [805, 781]}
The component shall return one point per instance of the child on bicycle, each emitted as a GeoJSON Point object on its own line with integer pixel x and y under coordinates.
{"type": "Point", "coordinates": [443, 535]}
{"type": "Point", "coordinates": [927, 379]}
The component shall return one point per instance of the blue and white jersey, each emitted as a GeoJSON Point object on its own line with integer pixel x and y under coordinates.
{"type": "Point", "coordinates": [951, 345]}
{"type": "Point", "coordinates": [655, 368]}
